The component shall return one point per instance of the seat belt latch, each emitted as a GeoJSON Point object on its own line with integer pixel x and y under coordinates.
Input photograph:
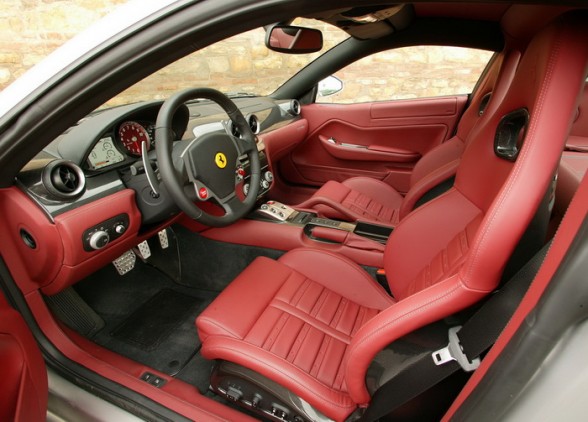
{"type": "Point", "coordinates": [453, 351]}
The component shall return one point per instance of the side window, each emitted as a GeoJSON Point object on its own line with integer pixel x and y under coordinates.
{"type": "Point", "coordinates": [410, 72]}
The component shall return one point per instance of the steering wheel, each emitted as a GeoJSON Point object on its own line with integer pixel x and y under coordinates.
{"type": "Point", "coordinates": [206, 166]}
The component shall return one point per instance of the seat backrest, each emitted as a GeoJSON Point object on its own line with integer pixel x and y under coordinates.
{"type": "Point", "coordinates": [450, 253]}
{"type": "Point", "coordinates": [440, 164]}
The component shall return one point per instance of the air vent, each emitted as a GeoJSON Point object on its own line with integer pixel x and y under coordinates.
{"type": "Point", "coordinates": [64, 179]}
{"type": "Point", "coordinates": [233, 129]}
{"type": "Point", "coordinates": [253, 122]}
{"type": "Point", "coordinates": [294, 107]}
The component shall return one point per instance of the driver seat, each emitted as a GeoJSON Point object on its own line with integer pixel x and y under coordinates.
{"type": "Point", "coordinates": [312, 322]}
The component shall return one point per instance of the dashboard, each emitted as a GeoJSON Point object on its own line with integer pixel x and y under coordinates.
{"type": "Point", "coordinates": [86, 199]}
{"type": "Point", "coordinates": [103, 153]}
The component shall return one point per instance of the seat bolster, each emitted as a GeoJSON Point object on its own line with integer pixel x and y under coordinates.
{"type": "Point", "coordinates": [327, 201]}
{"type": "Point", "coordinates": [438, 157]}
{"type": "Point", "coordinates": [340, 275]}
{"type": "Point", "coordinates": [333, 191]}
{"type": "Point", "coordinates": [425, 184]}
{"type": "Point", "coordinates": [238, 307]}
{"type": "Point", "coordinates": [422, 308]}
{"type": "Point", "coordinates": [357, 198]}
{"type": "Point", "coordinates": [331, 402]}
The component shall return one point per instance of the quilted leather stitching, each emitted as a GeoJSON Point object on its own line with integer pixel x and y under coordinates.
{"type": "Point", "coordinates": [364, 205]}
{"type": "Point", "coordinates": [446, 263]}
{"type": "Point", "coordinates": [313, 330]}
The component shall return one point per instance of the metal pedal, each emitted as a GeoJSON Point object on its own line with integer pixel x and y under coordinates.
{"type": "Point", "coordinates": [125, 262]}
{"type": "Point", "coordinates": [163, 240]}
{"type": "Point", "coordinates": [143, 250]}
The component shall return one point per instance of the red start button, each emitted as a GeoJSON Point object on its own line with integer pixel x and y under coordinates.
{"type": "Point", "coordinates": [203, 193]}
{"type": "Point", "coordinates": [241, 172]}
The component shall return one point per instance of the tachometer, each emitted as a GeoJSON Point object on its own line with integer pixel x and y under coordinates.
{"type": "Point", "coordinates": [132, 135]}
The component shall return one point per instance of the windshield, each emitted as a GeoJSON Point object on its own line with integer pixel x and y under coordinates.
{"type": "Point", "coordinates": [241, 65]}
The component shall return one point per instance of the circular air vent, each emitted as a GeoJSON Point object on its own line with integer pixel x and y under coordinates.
{"type": "Point", "coordinates": [64, 179]}
{"type": "Point", "coordinates": [253, 122]}
{"type": "Point", "coordinates": [233, 129]}
{"type": "Point", "coordinates": [295, 107]}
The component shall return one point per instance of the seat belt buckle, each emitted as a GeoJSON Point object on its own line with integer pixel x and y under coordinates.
{"type": "Point", "coordinates": [453, 351]}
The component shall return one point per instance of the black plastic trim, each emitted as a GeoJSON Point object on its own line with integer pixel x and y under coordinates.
{"type": "Point", "coordinates": [510, 134]}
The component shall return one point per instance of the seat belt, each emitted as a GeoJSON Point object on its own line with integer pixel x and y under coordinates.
{"type": "Point", "coordinates": [466, 344]}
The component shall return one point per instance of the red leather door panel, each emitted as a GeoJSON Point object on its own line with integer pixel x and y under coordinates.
{"type": "Point", "coordinates": [23, 385]}
{"type": "Point", "coordinates": [382, 140]}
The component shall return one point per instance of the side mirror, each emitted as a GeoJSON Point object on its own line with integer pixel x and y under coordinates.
{"type": "Point", "coordinates": [294, 39]}
{"type": "Point", "coordinates": [329, 86]}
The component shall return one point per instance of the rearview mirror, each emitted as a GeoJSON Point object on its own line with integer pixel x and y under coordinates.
{"type": "Point", "coordinates": [294, 39]}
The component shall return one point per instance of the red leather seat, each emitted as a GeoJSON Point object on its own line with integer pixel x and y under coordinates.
{"type": "Point", "coordinates": [372, 200]}
{"type": "Point", "coordinates": [574, 161]}
{"type": "Point", "coordinates": [313, 321]}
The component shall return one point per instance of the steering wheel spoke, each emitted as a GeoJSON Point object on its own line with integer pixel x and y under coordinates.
{"type": "Point", "coordinates": [209, 161]}
{"type": "Point", "coordinates": [246, 146]}
{"type": "Point", "coordinates": [231, 204]}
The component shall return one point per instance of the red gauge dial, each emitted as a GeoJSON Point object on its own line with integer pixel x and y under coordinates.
{"type": "Point", "coordinates": [132, 135]}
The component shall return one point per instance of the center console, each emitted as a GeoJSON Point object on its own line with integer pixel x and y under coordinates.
{"type": "Point", "coordinates": [277, 226]}
{"type": "Point", "coordinates": [243, 174]}
{"type": "Point", "coordinates": [319, 228]}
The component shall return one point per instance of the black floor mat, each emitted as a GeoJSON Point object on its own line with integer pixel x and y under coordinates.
{"type": "Point", "coordinates": [155, 320]}
{"type": "Point", "coordinates": [149, 318]}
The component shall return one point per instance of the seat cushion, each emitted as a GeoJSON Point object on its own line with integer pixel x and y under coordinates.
{"type": "Point", "coordinates": [359, 198]}
{"type": "Point", "coordinates": [292, 321]}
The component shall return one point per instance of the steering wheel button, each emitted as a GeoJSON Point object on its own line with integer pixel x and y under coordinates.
{"type": "Point", "coordinates": [203, 193]}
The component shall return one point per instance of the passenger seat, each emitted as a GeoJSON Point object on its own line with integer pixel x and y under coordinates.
{"type": "Point", "coordinates": [374, 201]}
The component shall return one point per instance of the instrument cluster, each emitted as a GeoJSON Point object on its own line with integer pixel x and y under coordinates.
{"type": "Point", "coordinates": [125, 141]}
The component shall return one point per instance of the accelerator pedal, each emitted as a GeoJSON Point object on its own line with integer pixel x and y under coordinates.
{"type": "Point", "coordinates": [165, 254]}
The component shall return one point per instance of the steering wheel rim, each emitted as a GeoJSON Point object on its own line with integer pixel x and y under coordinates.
{"type": "Point", "coordinates": [199, 157]}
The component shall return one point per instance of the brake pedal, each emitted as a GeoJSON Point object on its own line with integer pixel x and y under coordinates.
{"type": "Point", "coordinates": [125, 262]}
{"type": "Point", "coordinates": [143, 250]}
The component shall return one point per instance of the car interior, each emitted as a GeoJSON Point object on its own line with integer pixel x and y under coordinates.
{"type": "Point", "coordinates": [227, 257]}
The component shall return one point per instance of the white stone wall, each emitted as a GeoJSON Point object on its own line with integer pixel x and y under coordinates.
{"type": "Point", "coordinates": [31, 29]}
